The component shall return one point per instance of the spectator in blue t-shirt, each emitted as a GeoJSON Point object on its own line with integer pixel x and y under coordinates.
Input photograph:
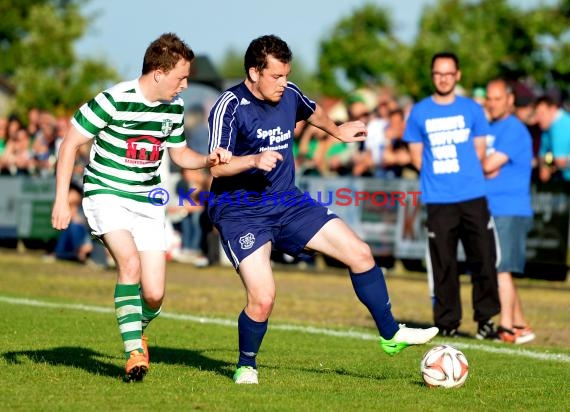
{"type": "Point", "coordinates": [555, 142]}
{"type": "Point", "coordinates": [446, 135]}
{"type": "Point", "coordinates": [508, 166]}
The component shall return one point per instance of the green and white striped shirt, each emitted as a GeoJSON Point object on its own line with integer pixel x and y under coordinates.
{"type": "Point", "coordinates": [130, 136]}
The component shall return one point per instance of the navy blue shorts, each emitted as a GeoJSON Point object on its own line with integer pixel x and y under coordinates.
{"type": "Point", "coordinates": [288, 228]}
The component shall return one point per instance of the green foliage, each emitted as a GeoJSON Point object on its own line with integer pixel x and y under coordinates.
{"type": "Point", "coordinates": [551, 28]}
{"type": "Point", "coordinates": [37, 37]}
{"type": "Point", "coordinates": [301, 76]}
{"type": "Point", "coordinates": [231, 65]}
{"type": "Point", "coordinates": [361, 50]}
{"type": "Point", "coordinates": [491, 37]}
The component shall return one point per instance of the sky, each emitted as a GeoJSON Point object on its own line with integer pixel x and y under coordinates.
{"type": "Point", "coordinates": [122, 29]}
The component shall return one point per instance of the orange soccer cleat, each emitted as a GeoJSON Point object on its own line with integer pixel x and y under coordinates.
{"type": "Point", "coordinates": [137, 366]}
{"type": "Point", "coordinates": [144, 344]}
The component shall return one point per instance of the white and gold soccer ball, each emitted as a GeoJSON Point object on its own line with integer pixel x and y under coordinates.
{"type": "Point", "coordinates": [444, 366]}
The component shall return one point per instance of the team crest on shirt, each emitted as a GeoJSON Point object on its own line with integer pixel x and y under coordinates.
{"type": "Point", "coordinates": [166, 127]}
{"type": "Point", "coordinates": [247, 241]}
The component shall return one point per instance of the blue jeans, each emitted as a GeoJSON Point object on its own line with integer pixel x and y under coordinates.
{"type": "Point", "coordinates": [190, 231]}
{"type": "Point", "coordinates": [70, 240]}
{"type": "Point", "coordinates": [511, 242]}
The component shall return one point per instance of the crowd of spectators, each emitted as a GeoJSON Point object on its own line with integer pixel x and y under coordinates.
{"type": "Point", "coordinates": [383, 154]}
{"type": "Point", "coordinates": [29, 146]}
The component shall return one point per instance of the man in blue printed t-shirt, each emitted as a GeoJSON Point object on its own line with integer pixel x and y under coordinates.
{"type": "Point", "coordinates": [508, 166]}
{"type": "Point", "coordinates": [446, 135]}
{"type": "Point", "coordinates": [256, 205]}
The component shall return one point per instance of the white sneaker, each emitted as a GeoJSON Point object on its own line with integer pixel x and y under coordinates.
{"type": "Point", "coordinates": [406, 337]}
{"type": "Point", "coordinates": [246, 375]}
{"type": "Point", "coordinates": [201, 262]}
{"type": "Point", "coordinates": [523, 334]}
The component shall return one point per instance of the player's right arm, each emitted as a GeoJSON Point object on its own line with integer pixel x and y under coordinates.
{"type": "Point", "coordinates": [416, 150]}
{"type": "Point", "coordinates": [222, 123]}
{"type": "Point", "coordinates": [266, 161]}
{"type": "Point", "coordinates": [61, 213]}
{"type": "Point", "coordinates": [413, 136]}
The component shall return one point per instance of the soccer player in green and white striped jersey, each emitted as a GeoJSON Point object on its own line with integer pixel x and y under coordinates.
{"type": "Point", "coordinates": [130, 126]}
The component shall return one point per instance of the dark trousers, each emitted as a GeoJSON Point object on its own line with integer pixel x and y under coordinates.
{"type": "Point", "coordinates": [470, 222]}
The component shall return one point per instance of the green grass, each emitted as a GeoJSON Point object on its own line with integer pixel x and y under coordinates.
{"type": "Point", "coordinates": [61, 357]}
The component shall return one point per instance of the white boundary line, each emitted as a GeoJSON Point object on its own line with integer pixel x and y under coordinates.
{"type": "Point", "coordinates": [558, 357]}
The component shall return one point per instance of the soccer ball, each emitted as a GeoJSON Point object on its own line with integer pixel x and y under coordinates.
{"type": "Point", "coordinates": [444, 366]}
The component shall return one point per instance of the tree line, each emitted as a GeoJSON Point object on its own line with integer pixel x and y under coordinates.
{"type": "Point", "coordinates": [491, 37]}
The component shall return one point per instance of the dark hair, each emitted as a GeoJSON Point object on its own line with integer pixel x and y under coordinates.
{"type": "Point", "coordinates": [164, 52]}
{"type": "Point", "coordinates": [76, 187]}
{"type": "Point", "coordinates": [547, 100]}
{"type": "Point", "coordinates": [445, 55]}
{"type": "Point", "coordinates": [397, 112]}
{"type": "Point", "coordinates": [258, 50]}
{"type": "Point", "coordinates": [14, 118]}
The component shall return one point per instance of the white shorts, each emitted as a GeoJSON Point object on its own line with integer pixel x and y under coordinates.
{"type": "Point", "coordinates": [146, 222]}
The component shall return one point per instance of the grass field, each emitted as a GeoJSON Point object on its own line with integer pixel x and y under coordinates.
{"type": "Point", "coordinates": [60, 347]}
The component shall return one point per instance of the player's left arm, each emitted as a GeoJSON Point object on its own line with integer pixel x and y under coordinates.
{"type": "Point", "coordinates": [416, 151]}
{"type": "Point", "coordinates": [187, 158]}
{"type": "Point", "coordinates": [347, 132]}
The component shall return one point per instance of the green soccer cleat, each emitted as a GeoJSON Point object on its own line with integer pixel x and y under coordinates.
{"type": "Point", "coordinates": [246, 375]}
{"type": "Point", "coordinates": [406, 337]}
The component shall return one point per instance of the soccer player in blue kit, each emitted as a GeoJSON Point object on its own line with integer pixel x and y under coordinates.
{"type": "Point", "coordinates": [255, 204]}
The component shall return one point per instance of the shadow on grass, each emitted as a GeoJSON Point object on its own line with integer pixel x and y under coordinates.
{"type": "Point", "coordinates": [77, 357]}
{"type": "Point", "coordinates": [192, 358]}
{"type": "Point", "coordinates": [91, 361]}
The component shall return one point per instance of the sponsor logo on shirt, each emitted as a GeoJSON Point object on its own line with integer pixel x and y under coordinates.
{"type": "Point", "coordinates": [142, 150]}
{"type": "Point", "coordinates": [275, 136]}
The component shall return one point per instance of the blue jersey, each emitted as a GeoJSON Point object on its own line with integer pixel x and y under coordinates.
{"type": "Point", "coordinates": [508, 193]}
{"type": "Point", "coordinates": [451, 171]}
{"type": "Point", "coordinates": [246, 125]}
